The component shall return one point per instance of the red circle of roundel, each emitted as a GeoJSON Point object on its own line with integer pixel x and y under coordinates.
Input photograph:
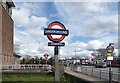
{"type": "Point", "coordinates": [56, 39]}
{"type": "Point", "coordinates": [110, 49]}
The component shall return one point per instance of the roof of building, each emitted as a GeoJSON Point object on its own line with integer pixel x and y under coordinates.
{"type": "Point", "coordinates": [16, 55]}
{"type": "Point", "coordinates": [11, 3]}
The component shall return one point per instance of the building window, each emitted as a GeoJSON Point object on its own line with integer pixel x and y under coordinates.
{"type": "Point", "coordinates": [0, 59]}
{"type": "Point", "coordinates": [14, 60]}
{"type": "Point", "coordinates": [10, 60]}
{"type": "Point", "coordinates": [7, 7]}
{"type": "Point", "coordinates": [0, 1]}
{"type": "Point", "coordinates": [10, 11]}
{"type": "Point", "coordinates": [4, 59]}
{"type": "Point", "coordinates": [4, 5]}
{"type": "Point", "coordinates": [7, 59]}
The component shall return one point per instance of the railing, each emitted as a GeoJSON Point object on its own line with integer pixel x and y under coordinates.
{"type": "Point", "coordinates": [26, 66]}
{"type": "Point", "coordinates": [97, 73]}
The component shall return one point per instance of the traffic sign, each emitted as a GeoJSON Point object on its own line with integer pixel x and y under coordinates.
{"type": "Point", "coordinates": [110, 49]}
{"type": "Point", "coordinates": [56, 28]}
{"type": "Point", "coordinates": [110, 58]}
{"type": "Point", "coordinates": [109, 54]}
{"type": "Point", "coordinates": [56, 44]}
{"type": "Point", "coordinates": [46, 55]}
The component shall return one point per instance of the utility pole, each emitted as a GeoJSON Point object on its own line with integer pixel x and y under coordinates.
{"type": "Point", "coordinates": [75, 51]}
{"type": "Point", "coordinates": [39, 51]}
{"type": "Point", "coordinates": [75, 54]}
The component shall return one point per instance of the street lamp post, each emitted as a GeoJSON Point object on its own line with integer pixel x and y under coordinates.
{"type": "Point", "coordinates": [75, 55]}
{"type": "Point", "coordinates": [39, 51]}
{"type": "Point", "coordinates": [75, 51]}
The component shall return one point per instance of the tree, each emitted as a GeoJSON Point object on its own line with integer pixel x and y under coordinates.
{"type": "Point", "coordinates": [36, 59]}
{"type": "Point", "coordinates": [31, 61]}
{"type": "Point", "coordinates": [22, 61]}
{"type": "Point", "coordinates": [40, 60]}
{"type": "Point", "coordinates": [51, 61]}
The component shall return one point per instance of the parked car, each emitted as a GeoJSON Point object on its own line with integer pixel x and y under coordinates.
{"type": "Point", "coordinates": [91, 63]}
{"type": "Point", "coordinates": [101, 65]}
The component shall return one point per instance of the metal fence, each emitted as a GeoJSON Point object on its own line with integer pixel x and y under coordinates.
{"type": "Point", "coordinates": [36, 67]}
{"type": "Point", "coordinates": [27, 66]}
{"type": "Point", "coordinates": [97, 73]}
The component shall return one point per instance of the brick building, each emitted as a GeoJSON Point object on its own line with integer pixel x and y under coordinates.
{"type": "Point", "coordinates": [6, 33]}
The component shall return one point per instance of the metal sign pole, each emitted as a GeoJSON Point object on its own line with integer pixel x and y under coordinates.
{"type": "Point", "coordinates": [110, 76]}
{"type": "Point", "coordinates": [46, 63]}
{"type": "Point", "coordinates": [56, 52]}
{"type": "Point", "coordinates": [110, 50]}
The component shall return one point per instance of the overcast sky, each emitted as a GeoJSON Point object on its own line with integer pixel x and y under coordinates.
{"type": "Point", "coordinates": [92, 25]}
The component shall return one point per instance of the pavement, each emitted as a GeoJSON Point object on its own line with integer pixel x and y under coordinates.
{"type": "Point", "coordinates": [85, 76]}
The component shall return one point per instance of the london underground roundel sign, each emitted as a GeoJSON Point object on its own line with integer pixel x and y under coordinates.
{"type": "Point", "coordinates": [56, 31]}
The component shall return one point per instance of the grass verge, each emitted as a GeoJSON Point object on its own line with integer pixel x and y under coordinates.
{"type": "Point", "coordinates": [32, 78]}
